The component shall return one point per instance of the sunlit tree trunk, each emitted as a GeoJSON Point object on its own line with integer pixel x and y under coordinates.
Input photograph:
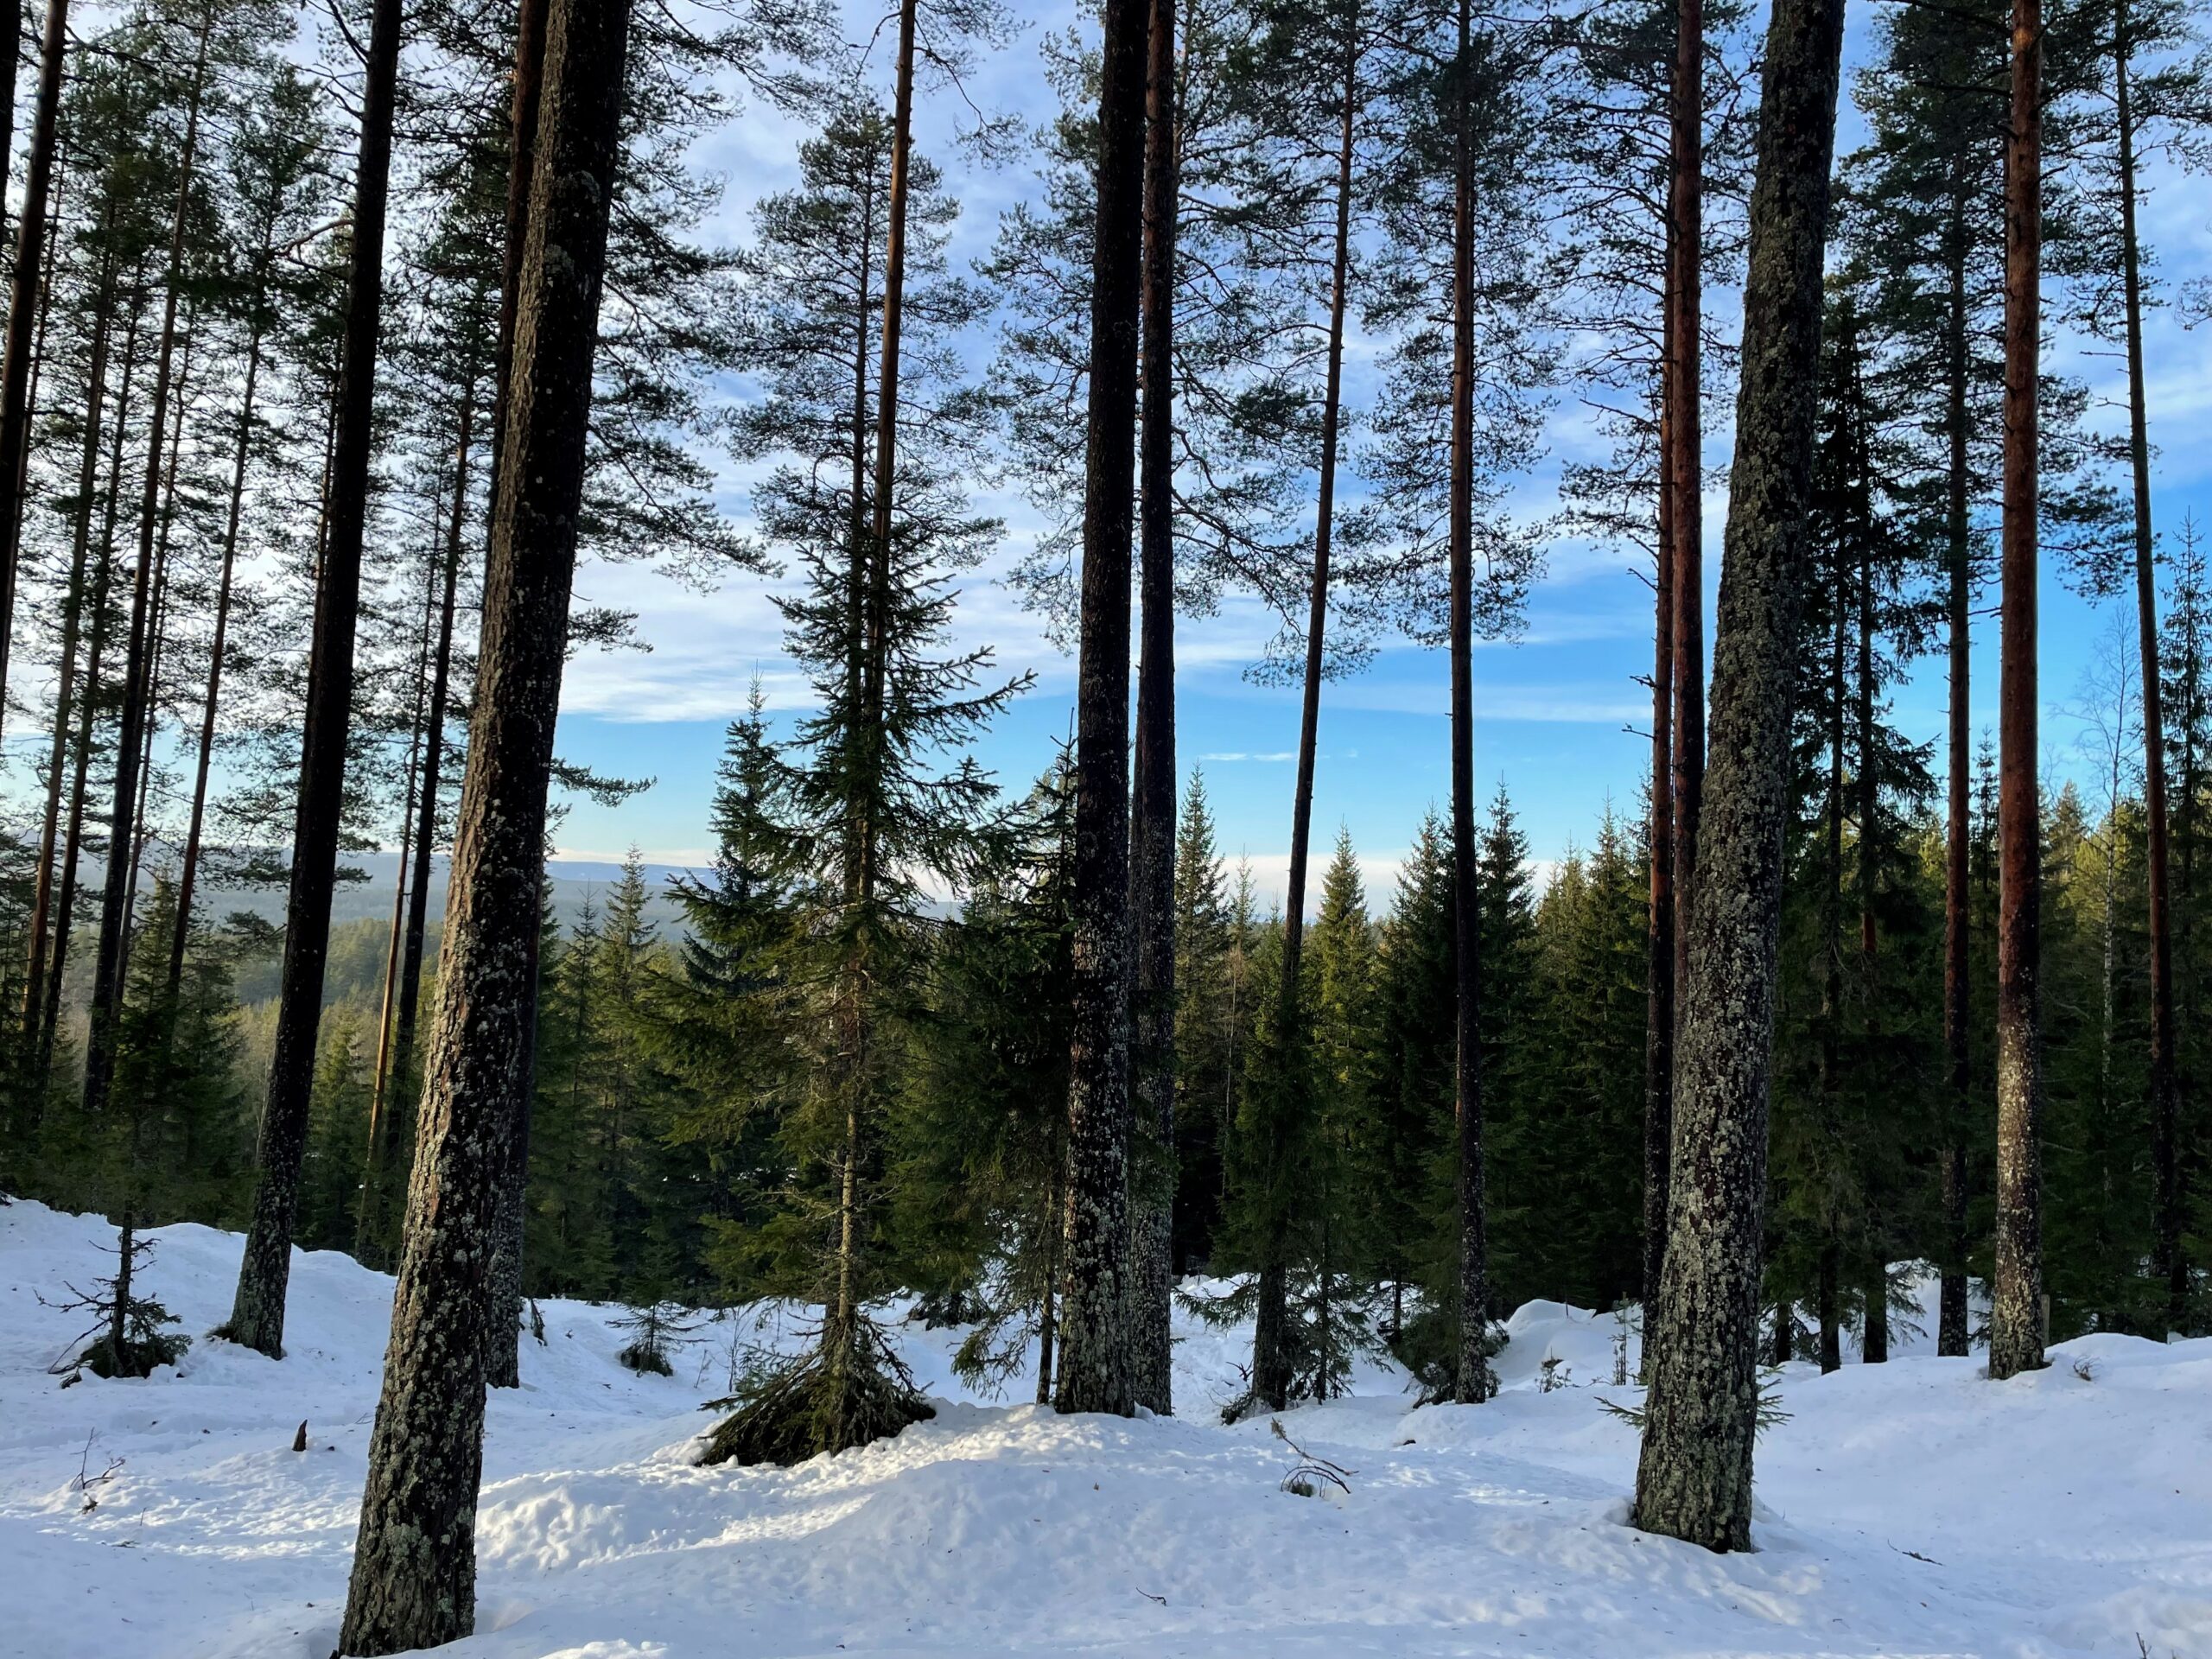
{"type": "Point", "coordinates": [414, 1575]}
{"type": "Point", "coordinates": [2017, 1309]}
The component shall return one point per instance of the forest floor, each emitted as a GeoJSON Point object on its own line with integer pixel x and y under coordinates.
{"type": "Point", "coordinates": [1914, 1509]}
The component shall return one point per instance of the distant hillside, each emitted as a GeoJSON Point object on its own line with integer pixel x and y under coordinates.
{"type": "Point", "coordinates": [573, 883]}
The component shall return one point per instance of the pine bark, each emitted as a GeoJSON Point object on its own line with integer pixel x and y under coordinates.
{"type": "Point", "coordinates": [1693, 1480]}
{"type": "Point", "coordinates": [2169, 1265]}
{"type": "Point", "coordinates": [2015, 1314]}
{"type": "Point", "coordinates": [1152, 829]}
{"type": "Point", "coordinates": [1472, 1380]}
{"type": "Point", "coordinates": [502, 1332]}
{"type": "Point", "coordinates": [23, 313]}
{"type": "Point", "coordinates": [414, 1567]}
{"type": "Point", "coordinates": [1095, 1362]}
{"type": "Point", "coordinates": [258, 1310]}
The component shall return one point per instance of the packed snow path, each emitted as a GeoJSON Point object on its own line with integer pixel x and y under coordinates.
{"type": "Point", "coordinates": [1914, 1509]}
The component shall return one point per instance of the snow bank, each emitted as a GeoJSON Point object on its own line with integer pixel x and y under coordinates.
{"type": "Point", "coordinates": [1914, 1509]}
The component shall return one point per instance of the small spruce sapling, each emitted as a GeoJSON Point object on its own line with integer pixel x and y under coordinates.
{"type": "Point", "coordinates": [655, 1332]}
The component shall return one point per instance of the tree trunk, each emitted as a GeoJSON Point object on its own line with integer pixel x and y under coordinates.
{"type": "Point", "coordinates": [1951, 1337]}
{"type": "Point", "coordinates": [257, 1311]}
{"type": "Point", "coordinates": [1831, 1302]}
{"type": "Point", "coordinates": [1874, 1341]}
{"type": "Point", "coordinates": [157, 640]}
{"type": "Point", "coordinates": [2016, 1315]}
{"type": "Point", "coordinates": [1096, 1367]}
{"type": "Point", "coordinates": [88, 702]}
{"type": "Point", "coordinates": [1831, 1015]}
{"type": "Point", "coordinates": [1152, 828]}
{"type": "Point", "coordinates": [426, 825]}
{"type": "Point", "coordinates": [369, 1231]}
{"type": "Point", "coordinates": [1694, 1479]}
{"type": "Point", "coordinates": [22, 312]}
{"type": "Point", "coordinates": [1685, 470]}
{"type": "Point", "coordinates": [1659, 923]}
{"type": "Point", "coordinates": [188, 870]}
{"type": "Point", "coordinates": [502, 1332]}
{"type": "Point", "coordinates": [72, 634]}
{"type": "Point", "coordinates": [1272, 1342]}
{"type": "Point", "coordinates": [1471, 1381]}
{"type": "Point", "coordinates": [114, 942]}
{"type": "Point", "coordinates": [2167, 1261]}
{"type": "Point", "coordinates": [414, 1565]}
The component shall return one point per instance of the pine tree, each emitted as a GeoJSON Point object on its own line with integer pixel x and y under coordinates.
{"type": "Point", "coordinates": [413, 1581]}
{"type": "Point", "coordinates": [1695, 1477]}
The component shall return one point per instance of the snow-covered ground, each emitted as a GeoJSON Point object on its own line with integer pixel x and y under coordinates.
{"type": "Point", "coordinates": [1910, 1510]}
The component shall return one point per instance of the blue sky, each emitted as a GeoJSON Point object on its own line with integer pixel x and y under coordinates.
{"type": "Point", "coordinates": [1551, 708]}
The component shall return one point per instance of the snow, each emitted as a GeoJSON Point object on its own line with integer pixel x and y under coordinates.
{"type": "Point", "coordinates": [1915, 1509]}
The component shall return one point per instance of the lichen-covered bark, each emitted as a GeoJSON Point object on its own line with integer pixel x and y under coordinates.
{"type": "Point", "coordinates": [258, 1310]}
{"type": "Point", "coordinates": [1151, 814]}
{"type": "Point", "coordinates": [1694, 1479]}
{"type": "Point", "coordinates": [2016, 1311]}
{"type": "Point", "coordinates": [414, 1564]}
{"type": "Point", "coordinates": [1095, 1367]}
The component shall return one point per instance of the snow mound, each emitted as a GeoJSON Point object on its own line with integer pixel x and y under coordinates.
{"type": "Point", "coordinates": [1914, 1509]}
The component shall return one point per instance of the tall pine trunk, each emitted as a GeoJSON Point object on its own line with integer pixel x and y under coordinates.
{"type": "Point", "coordinates": [115, 906]}
{"type": "Point", "coordinates": [1831, 1311]}
{"type": "Point", "coordinates": [369, 1230]}
{"type": "Point", "coordinates": [258, 1310]}
{"type": "Point", "coordinates": [1097, 1372]}
{"type": "Point", "coordinates": [1874, 1335]}
{"type": "Point", "coordinates": [2168, 1263]}
{"type": "Point", "coordinates": [1685, 471]}
{"type": "Point", "coordinates": [1951, 1330]}
{"type": "Point", "coordinates": [241, 448]}
{"type": "Point", "coordinates": [1472, 1379]}
{"type": "Point", "coordinates": [413, 1578]}
{"type": "Point", "coordinates": [2017, 1309]}
{"type": "Point", "coordinates": [1694, 1478]}
{"type": "Point", "coordinates": [1274, 1345]}
{"type": "Point", "coordinates": [23, 313]}
{"type": "Point", "coordinates": [1152, 826]}
{"type": "Point", "coordinates": [1151, 890]}
{"type": "Point", "coordinates": [88, 701]}
{"type": "Point", "coordinates": [503, 1324]}
{"type": "Point", "coordinates": [1659, 920]}
{"type": "Point", "coordinates": [72, 619]}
